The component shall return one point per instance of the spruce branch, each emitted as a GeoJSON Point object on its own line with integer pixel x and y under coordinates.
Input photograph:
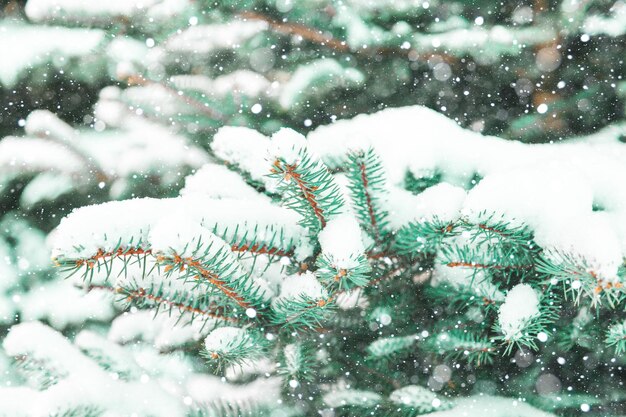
{"type": "Point", "coordinates": [40, 372]}
{"type": "Point", "coordinates": [367, 186]}
{"type": "Point", "coordinates": [424, 236]}
{"type": "Point", "coordinates": [456, 344]}
{"type": "Point", "coordinates": [343, 279]}
{"type": "Point", "coordinates": [491, 257]}
{"type": "Point", "coordinates": [130, 254]}
{"type": "Point", "coordinates": [579, 279]}
{"type": "Point", "coordinates": [224, 408]}
{"type": "Point", "coordinates": [216, 270]}
{"type": "Point", "coordinates": [158, 297]}
{"type": "Point", "coordinates": [309, 189]}
{"type": "Point", "coordinates": [527, 335]}
{"type": "Point", "coordinates": [256, 240]}
{"type": "Point", "coordinates": [195, 101]}
{"type": "Point", "coordinates": [616, 337]}
{"type": "Point", "coordinates": [65, 136]}
{"type": "Point", "coordinates": [297, 362]}
{"type": "Point", "coordinates": [234, 346]}
{"type": "Point", "coordinates": [305, 32]}
{"type": "Point", "coordinates": [318, 37]}
{"type": "Point", "coordinates": [78, 411]}
{"type": "Point", "coordinates": [302, 312]}
{"type": "Point", "coordinates": [390, 347]}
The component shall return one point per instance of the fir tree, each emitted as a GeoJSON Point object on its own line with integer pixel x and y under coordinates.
{"type": "Point", "coordinates": [222, 264]}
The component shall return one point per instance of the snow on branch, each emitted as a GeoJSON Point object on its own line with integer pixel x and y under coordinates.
{"type": "Point", "coordinates": [553, 190]}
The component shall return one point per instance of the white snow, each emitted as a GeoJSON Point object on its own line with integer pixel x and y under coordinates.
{"type": "Point", "coordinates": [224, 339]}
{"type": "Point", "coordinates": [443, 201]}
{"type": "Point", "coordinates": [317, 77]}
{"type": "Point", "coordinates": [307, 284]}
{"type": "Point", "coordinates": [205, 388]}
{"type": "Point", "coordinates": [102, 13]}
{"type": "Point", "coordinates": [466, 279]}
{"type": "Point", "coordinates": [341, 241]}
{"type": "Point", "coordinates": [550, 187]}
{"type": "Point", "coordinates": [163, 330]}
{"type": "Point", "coordinates": [183, 236]}
{"type": "Point", "coordinates": [46, 186]}
{"type": "Point", "coordinates": [31, 155]}
{"type": "Point", "coordinates": [287, 145]}
{"type": "Point", "coordinates": [217, 181]}
{"type": "Point", "coordinates": [138, 148]}
{"type": "Point", "coordinates": [24, 47]}
{"type": "Point", "coordinates": [105, 226]}
{"type": "Point", "coordinates": [76, 307]}
{"type": "Point", "coordinates": [485, 44]}
{"type": "Point", "coordinates": [343, 397]}
{"type": "Point", "coordinates": [490, 406]}
{"type": "Point", "coordinates": [247, 149]}
{"type": "Point", "coordinates": [204, 39]}
{"type": "Point", "coordinates": [414, 396]}
{"type": "Point", "coordinates": [241, 82]}
{"type": "Point", "coordinates": [81, 380]}
{"type": "Point", "coordinates": [42, 123]}
{"type": "Point", "coordinates": [614, 25]}
{"type": "Point", "coordinates": [520, 306]}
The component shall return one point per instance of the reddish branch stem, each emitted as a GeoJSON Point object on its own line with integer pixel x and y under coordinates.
{"type": "Point", "coordinates": [260, 250]}
{"type": "Point", "coordinates": [486, 266]}
{"type": "Point", "coordinates": [305, 32]}
{"type": "Point", "coordinates": [290, 173]}
{"type": "Point", "coordinates": [316, 36]}
{"type": "Point", "coordinates": [211, 278]}
{"type": "Point", "coordinates": [368, 201]}
{"type": "Point", "coordinates": [101, 254]}
{"type": "Point", "coordinates": [142, 293]}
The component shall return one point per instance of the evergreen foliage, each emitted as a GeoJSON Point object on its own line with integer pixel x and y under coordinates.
{"type": "Point", "coordinates": [208, 261]}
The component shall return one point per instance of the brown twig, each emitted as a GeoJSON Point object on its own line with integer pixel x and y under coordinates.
{"type": "Point", "coordinates": [305, 32]}
{"type": "Point", "coordinates": [320, 38]}
{"type": "Point", "coordinates": [291, 174]}
{"type": "Point", "coordinates": [260, 250]}
{"type": "Point", "coordinates": [207, 275]}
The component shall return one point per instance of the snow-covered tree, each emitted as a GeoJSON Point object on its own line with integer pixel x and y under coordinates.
{"type": "Point", "coordinates": [350, 271]}
{"type": "Point", "coordinates": [223, 244]}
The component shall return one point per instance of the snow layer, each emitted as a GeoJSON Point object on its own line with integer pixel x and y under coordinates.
{"type": "Point", "coordinates": [247, 149]}
{"type": "Point", "coordinates": [139, 147]}
{"type": "Point", "coordinates": [490, 406]}
{"type": "Point", "coordinates": [102, 12]}
{"type": "Point", "coordinates": [348, 397]}
{"type": "Point", "coordinates": [341, 242]}
{"type": "Point", "coordinates": [76, 306]}
{"type": "Point", "coordinates": [307, 284]}
{"type": "Point", "coordinates": [443, 201]}
{"type": "Point", "coordinates": [129, 222]}
{"type": "Point", "coordinates": [163, 331]}
{"type": "Point", "coordinates": [25, 47]}
{"type": "Point", "coordinates": [287, 145]}
{"type": "Point", "coordinates": [203, 39]}
{"type": "Point", "coordinates": [614, 25]}
{"type": "Point", "coordinates": [317, 78]}
{"type": "Point", "coordinates": [554, 188]}
{"type": "Point", "coordinates": [217, 181]}
{"type": "Point", "coordinates": [224, 339]}
{"type": "Point", "coordinates": [82, 380]}
{"type": "Point", "coordinates": [241, 82]}
{"type": "Point", "coordinates": [520, 306]}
